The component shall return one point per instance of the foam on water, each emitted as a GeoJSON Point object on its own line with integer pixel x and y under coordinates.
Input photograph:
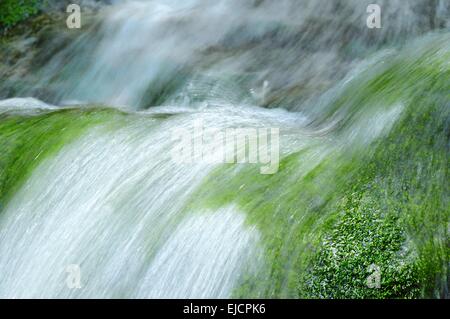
{"type": "Point", "coordinates": [23, 104]}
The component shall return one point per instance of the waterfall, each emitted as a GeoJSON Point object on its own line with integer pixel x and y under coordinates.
{"type": "Point", "coordinates": [133, 236]}
{"type": "Point", "coordinates": [89, 187]}
{"type": "Point", "coordinates": [185, 52]}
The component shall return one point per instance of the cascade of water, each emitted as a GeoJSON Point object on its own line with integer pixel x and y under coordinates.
{"type": "Point", "coordinates": [111, 203]}
{"type": "Point", "coordinates": [146, 53]}
{"type": "Point", "coordinates": [114, 203]}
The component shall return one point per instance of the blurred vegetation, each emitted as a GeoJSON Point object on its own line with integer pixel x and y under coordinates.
{"type": "Point", "coordinates": [15, 11]}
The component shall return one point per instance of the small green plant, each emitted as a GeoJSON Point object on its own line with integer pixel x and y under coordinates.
{"type": "Point", "coordinates": [15, 11]}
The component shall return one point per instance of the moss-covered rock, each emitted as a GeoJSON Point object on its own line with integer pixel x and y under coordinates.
{"type": "Point", "coordinates": [363, 197]}
{"type": "Point", "coordinates": [368, 240]}
{"type": "Point", "coordinates": [395, 213]}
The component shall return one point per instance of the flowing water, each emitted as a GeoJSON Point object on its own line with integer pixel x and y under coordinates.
{"type": "Point", "coordinates": [363, 116]}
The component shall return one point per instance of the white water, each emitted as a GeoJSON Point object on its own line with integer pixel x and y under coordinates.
{"type": "Point", "coordinates": [114, 203]}
{"type": "Point", "coordinates": [23, 104]}
{"type": "Point", "coordinates": [212, 251]}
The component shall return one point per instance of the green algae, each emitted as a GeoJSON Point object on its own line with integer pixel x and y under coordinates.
{"type": "Point", "coordinates": [26, 140]}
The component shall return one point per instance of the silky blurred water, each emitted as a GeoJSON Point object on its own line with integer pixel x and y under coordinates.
{"type": "Point", "coordinates": [114, 203]}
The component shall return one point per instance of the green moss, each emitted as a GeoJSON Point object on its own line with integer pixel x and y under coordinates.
{"type": "Point", "coordinates": [396, 214]}
{"type": "Point", "coordinates": [368, 233]}
{"type": "Point", "coordinates": [15, 11]}
{"type": "Point", "coordinates": [26, 140]}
